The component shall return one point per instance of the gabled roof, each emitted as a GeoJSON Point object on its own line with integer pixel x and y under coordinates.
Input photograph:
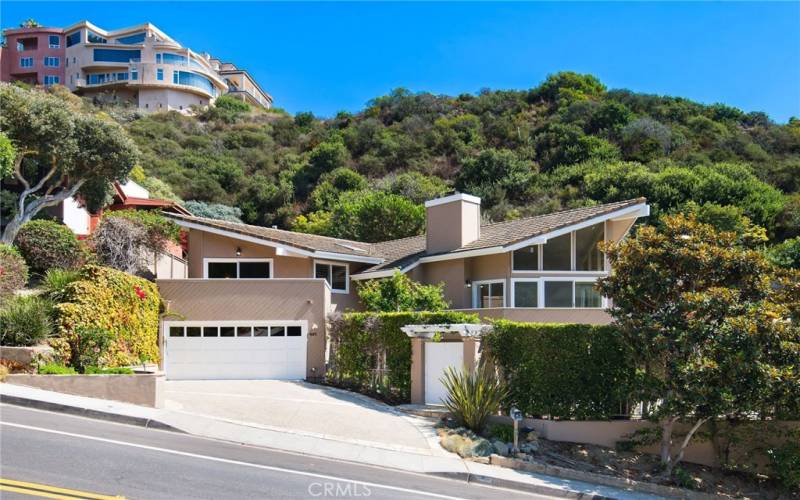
{"type": "Point", "coordinates": [405, 253]}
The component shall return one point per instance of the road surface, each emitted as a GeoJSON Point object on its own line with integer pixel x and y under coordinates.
{"type": "Point", "coordinates": [87, 458]}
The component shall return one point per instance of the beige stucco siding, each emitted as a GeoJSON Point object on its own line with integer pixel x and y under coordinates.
{"type": "Point", "coordinates": [255, 300]}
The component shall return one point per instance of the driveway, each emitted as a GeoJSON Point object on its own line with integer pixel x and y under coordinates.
{"type": "Point", "coordinates": [303, 408]}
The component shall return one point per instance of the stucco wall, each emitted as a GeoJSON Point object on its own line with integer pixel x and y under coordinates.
{"type": "Point", "coordinates": [144, 389]}
{"type": "Point", "coordinates": [255, 300]}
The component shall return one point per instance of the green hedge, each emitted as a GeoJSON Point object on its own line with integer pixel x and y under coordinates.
{"type": "Point", "coordinates": [563, 370]}
{"type": "Point", "coordinates": [369, 351]}
{"type": "Point", "coordinates": [125, 305]}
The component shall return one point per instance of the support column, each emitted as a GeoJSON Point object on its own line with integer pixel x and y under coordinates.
{"type": "Point", "coordinates": [417, 371]}
{"type": "Point", "coordinates": [470, 353]}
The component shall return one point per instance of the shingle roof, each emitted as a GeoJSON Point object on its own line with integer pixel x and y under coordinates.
{"type": "Point", "coordinates": [401, 253]}
{"type": "Point", "coordinates": [404, 252]}
{"type": "Point", "coordinates": [303, 241]}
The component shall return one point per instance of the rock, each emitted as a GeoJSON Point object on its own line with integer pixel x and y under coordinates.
{"type": "Point", "coordinates": [500, 447]}
{"type": "Point", "coordinates": [480, 448]}
{"type": "Point", "coordinates": [532, 436]}
{"type": "Point", "coordinates": [453, 443]}
{"type": "Point", "coordinates": [530, 447]}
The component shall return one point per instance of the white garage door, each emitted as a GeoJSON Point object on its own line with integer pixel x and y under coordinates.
{"type": "Point", "coordinates": [235, 350]}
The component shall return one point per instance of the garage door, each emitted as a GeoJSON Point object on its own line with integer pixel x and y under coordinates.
{"type": "Point", "coordinates": [235, 350]}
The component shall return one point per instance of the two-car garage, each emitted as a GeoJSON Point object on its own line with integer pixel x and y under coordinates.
{"type": "Point", "coordinates": [235, 350]}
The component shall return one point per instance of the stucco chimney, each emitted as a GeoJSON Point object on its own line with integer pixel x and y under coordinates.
{"type": "Point", "coordinates": [452, 222]}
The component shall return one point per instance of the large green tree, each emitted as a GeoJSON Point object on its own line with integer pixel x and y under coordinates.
{"type": "Point", "coordinates": [400, 293]}
{"type": "Point", "coordinates": [713, 325]}
{"type": "Point", "coordinates": [61, 151]}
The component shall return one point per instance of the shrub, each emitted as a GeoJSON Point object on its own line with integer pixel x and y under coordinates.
{"type": "Point", "coordinates": [231, 104]}
{"type": "Point", "coordinates": [785, 461]}
{"type": "Point", "coordinates": [56, 369]}
{"type": "Point", "coordinates": [55, 282]}
{"type": "Point", "coordinates": [120, 243]}
{"type": "Point", "coordinates": [13, 271]}
{"type": "Point", "coordinates": [46, 244]}
{"type": "Point", "coordinates": [125, 305]}
{"type": "Point", "coordinates": [25, 321]}
{"type": "Point", "coordinates": [119, 370]}
{"type": "Point", "coordinates": [369, 351]}
{"type": "Point", "coordinates": [473, 395]}
{"type": "Point", "coordinates": [562, 370]}
{"type": "Point", "coordinates": [400, 293]}
{"type": "Point", "coordinates": [89, 346]}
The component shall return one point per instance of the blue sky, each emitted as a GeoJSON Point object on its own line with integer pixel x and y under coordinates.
{"type": "Point", "coordinates": [326, 57]}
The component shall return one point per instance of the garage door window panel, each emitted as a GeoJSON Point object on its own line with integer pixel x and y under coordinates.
{"type": "Point", "coordinates": [261, 331]}
{"type": "Point", "coordinates": [294, 331]}
{"type": "Point", "coordinates": [244, 331]}
{"type": "Point", "coordinates": [176, 331]}
{"type": "Point", "coordinates": [210, 331]}
{"type": "Point", "coordinates": [277, 331]}
{"type": "Point", "coordinates": [193, 331]}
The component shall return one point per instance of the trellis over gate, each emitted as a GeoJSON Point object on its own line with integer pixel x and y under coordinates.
{"type": "Point", "coordinates": [433, 349]}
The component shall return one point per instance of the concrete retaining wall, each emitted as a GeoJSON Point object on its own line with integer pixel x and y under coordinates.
{"type": "Point", "coordinates": [141, 389]}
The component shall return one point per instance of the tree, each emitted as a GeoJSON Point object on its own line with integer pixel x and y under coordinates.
{"type": "Point", "coordinates": [60, 152]}
{"type": "Point", "coordinates": [7, 155]}
{"type": "Point", "coordinates": [400, 293]}
{"type": "Point", "coordinates": [494, 175]}
{"type": "Point", "coordinates": [786, 254]}
{"type": "Point", "coordinates": [372, 216]}
{"type": "Point", "coordinates": [711, 323]}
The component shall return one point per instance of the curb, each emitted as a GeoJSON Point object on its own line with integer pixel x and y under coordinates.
{"type": "Point", "coordinates": [518, 486]}
{"type": "Point", "coordinates": [85, 412]}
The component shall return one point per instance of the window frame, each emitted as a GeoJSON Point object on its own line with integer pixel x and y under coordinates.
{"type": "Point", "coordinates": [573, 256]}
{"type": "Point", "coordinates": [29, 58]}
{"type": "Point", "coordinates": [330, 263]}
{"type": "Point", "coordinates": [538, 260]}
{"type": "Point", "coordinates": [237, 260]}
{"type": "Point", "coordinates": [159, 74]}
{"type": "Point", "coordinates": [476, 285]}
{"type": "Point", "coordinates": [52, 59]}
{"type": "Point", "coordinates": [573, 280]}
{"type": "Point", "coordinates": [50, 44]}
{"type": "Point", "coordinates": [54, 80]}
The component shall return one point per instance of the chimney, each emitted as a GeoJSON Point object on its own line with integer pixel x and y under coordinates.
{"type": "Point", "coordinates": [452, 222]}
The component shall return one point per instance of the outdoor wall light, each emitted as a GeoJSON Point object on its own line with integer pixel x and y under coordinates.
{"type": "Point", "coordinates": [238, 251]}
{"type": "Point", "coordinates": [468, 283]}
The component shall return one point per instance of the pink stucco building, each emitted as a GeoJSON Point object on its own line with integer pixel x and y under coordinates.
{"type": "Point", "coordinates": [33, 55]}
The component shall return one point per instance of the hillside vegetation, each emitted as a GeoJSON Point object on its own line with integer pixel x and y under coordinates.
{"type": "Point", "coordinates": [568, 142]}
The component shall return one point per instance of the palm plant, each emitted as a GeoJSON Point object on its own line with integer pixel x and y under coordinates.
{"type": "Point", "coordinates": [473, 395]}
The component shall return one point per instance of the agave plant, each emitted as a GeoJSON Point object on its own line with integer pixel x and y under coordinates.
{"type": "Point", "coordinates": [473, 395]}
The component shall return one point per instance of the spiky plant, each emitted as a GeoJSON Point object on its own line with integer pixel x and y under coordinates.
{"type": "Point", "coordinates": [473, 395]}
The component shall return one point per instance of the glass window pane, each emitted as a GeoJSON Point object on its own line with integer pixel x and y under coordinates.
{"type": "Point", "coordinates": [176, 331]}
{"type": "Point", "coordinates": [490, 295]}
{"type": "Point", "coordinates": [210, 331]}
{"type": "Point", "coordinates": [227, 331]}
{"type": "Point", "coordinates": [527, 259]}
{"type": "Point", "coordinates": [254, 269]}
{"type": "Point", "coordinates": [277, 331]}
{"type": "Point", "coordinates": [588, 256]}
{"type": "Point", "coordinates": [293, 331]}
{"type": "Point", "coordinates": [558, 294]}
{"type": "Point", "coordinates": [322, 271]}
{"type": "Point", "coordinates": [192, 331]}
{"type": "Point", "coordinates": [556, 254]}
{"type": "Point", "coordinates": [261, 331]}
{"type": "Point", "coordinates": [586, 295]}
{"type": "Point", "coordinates": [526, 294]}
{"type": "Point", "coordinates": [222, 269]}
{"type": "Point", "coordinates": [243, 331]}
{"type": "Point", "coordinates": [339, 274]}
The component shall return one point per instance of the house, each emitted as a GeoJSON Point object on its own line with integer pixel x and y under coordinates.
{"type": "Point", "coordinates": [140, 65]}
{"type": "Point", "coordinates": [256, 299]}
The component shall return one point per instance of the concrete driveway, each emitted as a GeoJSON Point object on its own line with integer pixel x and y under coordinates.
{"type": "Point", "coordinates": [303, 408]}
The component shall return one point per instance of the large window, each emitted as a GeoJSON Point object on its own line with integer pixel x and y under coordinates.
{"type": "Point", "coordinates": [526, 259]}
{"type": "Point", "coordinates": [132, 39]}
{"type": "Point", "coordinates": [159, 74]}
{"type": "Point", "coordinates": [51, 80]}
{"type": "Point", "coordinates": [238, 268]}
{"type": "Point", "coordinates": [52, 62]}
{"type": "Point", "coordinates": [525, 293]}
{"type": "Point", "coordinates": [54, 41]}
{"type": "Point", "coordinates": [95, 38]}
{"type": "Point", "coordinates": [73, 39]}
{"type": "Point", "coordinates": [194, 80]}
{"type": "Point", "coordinates": [557, 253]}
{"type": "Point", "coordinates": [112, 55]}
{"type": "Point", "coordinates": [571, 294]}
{"type": "Point", "coordinates": [488, 294]}
{"type": "Point", "coordinates": [25, 62]}
{"type": "Point", "coordinates": [337, 275]}
{"type": "Point", "coordinates": [588, 256]}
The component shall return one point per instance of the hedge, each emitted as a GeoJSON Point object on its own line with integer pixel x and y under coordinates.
{"type": "Point", "coordinates": [563, 370]}
{"type": "Point", "coordinates": [123, 304]}
{"type": "Point", "coordinates": [370, 352]}
{"type": "Point", "coordinates": [45, 244]}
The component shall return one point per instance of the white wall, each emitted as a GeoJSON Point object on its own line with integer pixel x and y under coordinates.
{"type": "Point", "coordinates": [76, 217]}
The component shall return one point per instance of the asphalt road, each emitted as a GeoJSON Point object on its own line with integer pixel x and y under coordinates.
{"type": "Point", "coordinates": [112, 459]}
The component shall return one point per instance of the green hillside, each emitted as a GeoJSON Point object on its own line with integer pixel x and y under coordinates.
{"type": "Point", "coordinates": [566, 143]}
